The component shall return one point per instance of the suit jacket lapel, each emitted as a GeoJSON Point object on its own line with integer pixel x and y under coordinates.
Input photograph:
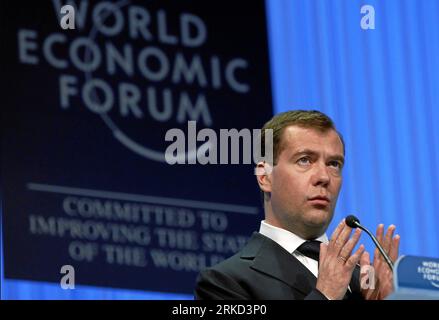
{"type": "Point", "coordinates": [273, 260]}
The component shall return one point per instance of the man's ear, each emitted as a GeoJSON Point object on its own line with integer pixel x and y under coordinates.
{"type": "Point", "coordinates": [263, 175]}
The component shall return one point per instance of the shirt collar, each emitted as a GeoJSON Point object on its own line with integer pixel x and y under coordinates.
{"type": "Point", "coordinates": [286, 239]}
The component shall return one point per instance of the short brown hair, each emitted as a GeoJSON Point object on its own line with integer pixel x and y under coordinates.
{"type": "Point", "coordinates": [303, 118]}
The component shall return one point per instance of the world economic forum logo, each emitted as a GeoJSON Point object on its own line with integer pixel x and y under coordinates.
{"type": "Point", "coordinates": [142, 70]}
{"type": "Point", "coordinates": [430, 272]}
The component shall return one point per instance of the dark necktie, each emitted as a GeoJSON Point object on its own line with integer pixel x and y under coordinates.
{"type": "Point", "coordinates": [310, 248]}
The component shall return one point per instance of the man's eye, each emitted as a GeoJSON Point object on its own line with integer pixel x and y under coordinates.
{"type": "Point", "coordinates": [336, 164]}
{"type": "Point", "coordinates": [304, 161]}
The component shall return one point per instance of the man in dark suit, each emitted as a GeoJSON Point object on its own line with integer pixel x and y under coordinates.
{"type": "Point", "coordinates": [291, 256]}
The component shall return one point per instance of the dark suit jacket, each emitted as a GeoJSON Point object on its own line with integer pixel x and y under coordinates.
{"type": "Point", "coordinates": [263, 270]}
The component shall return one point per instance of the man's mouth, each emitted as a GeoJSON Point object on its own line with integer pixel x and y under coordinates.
{"type": "Point", "coordinates": [319, 200]}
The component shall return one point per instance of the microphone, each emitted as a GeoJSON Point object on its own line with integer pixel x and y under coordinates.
{"type": "Point", "coordinates": [353, 222]}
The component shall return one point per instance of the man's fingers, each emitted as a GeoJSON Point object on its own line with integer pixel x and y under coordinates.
{"type": "Point", "coordinates": [388, 238]}
{"type": "Point", "coordinates": [338, 230]}
{"type": "Point", "coordinates": [379, 235]}
{"type": "Point", "coordinates": [350, 245]}
{"type": "Point", "coordinates": [365, 259]}
{"type": "Point", "coordinates": [343, 239]}
{"type": "Point", "coordinates": [394, 248]}
{"type": "Point", "coordinates": [340, 242]}
{"type": "Point", "coordinates": [353, 259]}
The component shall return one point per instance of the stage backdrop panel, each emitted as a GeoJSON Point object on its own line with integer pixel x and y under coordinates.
{"type": "Point", "coordinates": [84, 118]}
{"type": "Point", "coordinates": [380, 86]}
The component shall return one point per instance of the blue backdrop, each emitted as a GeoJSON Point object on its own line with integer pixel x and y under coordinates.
{"type": "Point", "coordinates": [381, 88]}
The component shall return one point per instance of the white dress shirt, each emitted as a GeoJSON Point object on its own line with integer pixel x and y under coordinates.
{"type": "Point", "coordinates": [290, 242]}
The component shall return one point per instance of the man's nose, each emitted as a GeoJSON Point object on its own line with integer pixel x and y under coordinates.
{"type": "Point", "coordinates": [321, 176]}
